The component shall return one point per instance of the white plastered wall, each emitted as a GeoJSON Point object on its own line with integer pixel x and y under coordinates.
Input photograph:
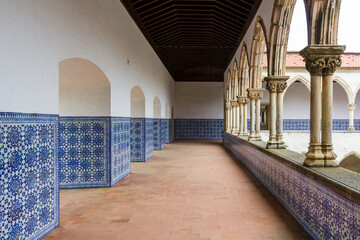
{"type": "Point", "coordinates": [39, 34]}
{"type": "Point", "coordinates": [199, 100]}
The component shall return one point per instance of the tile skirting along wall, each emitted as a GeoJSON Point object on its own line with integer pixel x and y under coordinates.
{"type": "Point", "coordinates": [29, 193]}
{"type": "Point", "coordinates": [198, 129]}
{"type": "Point", "coordinates": [323, 213]}
{"type": "Point", "coordinates": [93, 151]}
{"type": "Point", "coordinates": [157, 134]}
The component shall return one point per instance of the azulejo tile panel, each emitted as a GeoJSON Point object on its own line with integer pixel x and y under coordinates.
{"type": "Point", "coordinates": [198, 129]}
{"type": "Point", "coordinates": [29, 194]}
{"type": "Point", "coordinates": [323, 213]}
{"type": "Point", "coordinates": [137, 139]}
{"type": "Point", "coordinates": [157, 134]}
{"type": "Point", "coordinates": [149, 138]}
{"type": "Point", "coordinates": [93, 151]}
{"type": "Point", "coordinates": [84, 152]}
{"type": "Point", "coordinates": [304, 124]}
{"type": "Point", "coordinates": [120, 148]}
{"type": "Point", "coordinates": [163, 132]}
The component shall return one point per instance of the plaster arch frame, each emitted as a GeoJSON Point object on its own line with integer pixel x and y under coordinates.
{"type": "Point", "coordinates": [244, 70]}
{"type": "Point", "coordinates": [300, 78]}
{"type": "Point", "coordinates": [349, 93]}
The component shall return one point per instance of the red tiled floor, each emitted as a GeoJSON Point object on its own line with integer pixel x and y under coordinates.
{"type": "Point", "coordinates": [189, 190]}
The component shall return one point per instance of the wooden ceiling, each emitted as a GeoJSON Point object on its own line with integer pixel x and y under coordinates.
{"type": "Point", "coordinates": [195, 40]}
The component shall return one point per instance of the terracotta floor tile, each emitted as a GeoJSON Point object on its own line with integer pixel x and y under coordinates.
{"type": "Point", "coordinates": [191, 190]}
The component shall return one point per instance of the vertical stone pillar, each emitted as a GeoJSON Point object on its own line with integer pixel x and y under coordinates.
{"type": "Point", "coordinates": [351, 108]}
{"type": "Point", "coordinates": [321, 62]}
{"type": "Point", "coordinates": [243, 101]}
{"type": "Point", "coordinates": [255, 95]}
{"type": "Point", "coordinates": [228, 116]}
{"type": "Point", "coordinates": [271, 87]}
{"type": "Point", "coordinates": [235, 107]}
{"type": "Point", "coordinates": [281, 86]}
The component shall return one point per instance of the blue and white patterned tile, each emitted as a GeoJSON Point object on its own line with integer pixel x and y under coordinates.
{"type": "Point", "coordinates": [29, 193]}
{"type": "Point", "coordinates": [157, 134]}
{"type": "Point", "coordinates": [120, 148]}
{"type": "Point", "coordinates": [149, 138]}
{"type": "Point", "coordinates": [323, 213]}
{"type": "Point", "coordinates": [84, 154]}
{"type": "Point", "coordinates": [163, 132]}
{"type": "Point", "coordinates": [198, 129]}
{"type": "Point", "coordinates": [137, 139]}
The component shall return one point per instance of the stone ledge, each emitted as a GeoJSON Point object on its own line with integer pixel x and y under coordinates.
{"type": "Point", "coordinates": [340, 180]}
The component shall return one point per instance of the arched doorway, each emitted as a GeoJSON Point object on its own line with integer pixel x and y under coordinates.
{"type": "Point", "coordinates": [85, 134]}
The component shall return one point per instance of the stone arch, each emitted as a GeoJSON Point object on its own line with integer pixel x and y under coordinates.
{"type": "Point", "coordinates": [156, 107]}
{"type": "Point", "coordinates": [228, 87]}
{"type": "Point", "coordinates": [84, 89]}
{"type": "Point", "coordinates": [235, 81]}
{"type": "Point", "coordinates": [300, 78]}
{"type": "Point", "coordinates": [137, 102]}
{"type": "Point", "coordinates": [297, 94]}
{"type": "Point", "coordinates": [347, 89]}
{"type": "Point", "coordinates": [167, 110]}
{"type": "Point", "coordinates": [322, 21]}
{"type": "Point", "coordinates": [244, 71]}
{"type": "Point", "coordinates": [279, 35]}
{"type": "Point", "coordinates": [259, 43]}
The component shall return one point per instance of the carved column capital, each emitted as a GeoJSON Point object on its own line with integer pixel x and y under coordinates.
{"type": "Point", "coordinates": [234, 103]}
{"type": "Point", "coordinates": [228, 105]}
{"type": "Point", "coordinates": [255, 93]}
{"type": "Point", "coordinates": [276, 83]}
{"type": "Point", "coordinates": [322, 59]}
{"type": "Point", "coordinates": [243, 100]}
{"type": "Point", "coordinates": [351, 107]}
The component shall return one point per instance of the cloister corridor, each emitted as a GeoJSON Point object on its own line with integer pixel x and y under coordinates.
{"type": "Point", "coordinates": [189, 190]}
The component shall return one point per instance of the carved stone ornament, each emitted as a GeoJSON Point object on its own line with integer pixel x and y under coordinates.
{"type": "Point", "coordinates": [234, 103]}
{"type": "Point", "coordinates": [228, 105]}
{"type": "Point", "coordinates": [322, 59]}
{"type": "Point", "coordinates": [243, 100]}
{"type": "Point", "coordinates": [271, 87]}
{"type": "Point", "coordinates": [276, 83]}
{"type": "Point", "coordinates": [255, 93]}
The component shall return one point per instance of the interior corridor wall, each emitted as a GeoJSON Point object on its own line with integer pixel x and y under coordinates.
{"type": "Point", "coordinates": [199, 110]}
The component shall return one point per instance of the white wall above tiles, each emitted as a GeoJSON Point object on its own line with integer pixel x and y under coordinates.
{"type": "Point", "coordinates": [199, 100]}
{"type": "Point", "coordinates": [40, 34]}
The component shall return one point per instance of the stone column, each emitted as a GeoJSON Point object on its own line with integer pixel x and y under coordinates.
{"type": "Point", "coordinates": [281, 86]}
{"type": "Point", "coordinates": [321, 62]}
{"type": "Point", "coordinates": [255, 95]}
{"type": "Point", "coordinates": [351, 108]}
{"type": "Point", "coordinates": [271, 87]}
{"type": "Point", "coordinates": [243, 101]}
{"type": "Point", "coordinates": [228, 116]}
{"type": "Point", "coordinates": [235, 108]}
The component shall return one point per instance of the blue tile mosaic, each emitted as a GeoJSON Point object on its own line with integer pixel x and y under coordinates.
{"type": "Point", "coordinates": [149, 138]}
{"type": "Point", "coordinates": [141, 139]}
{"type": "Point", "coordinates": [198, 129]}
{"type": "Point", "coordinates": [29, 194]}
{"type": "Point", "coordinates": [164, 132]}
{"type": "Point", "coordinates": [84, 152]}
{"type": "Point", "coordinates": [93, 151]}
{"type": "Point", "coordinates": [120, 148]}
{"type": "Point", "coordinates": [296, 124]}
{"type": "Point", "coordinates": [323, 213]}
{"type": "Point", "coordinates": [157, 134]}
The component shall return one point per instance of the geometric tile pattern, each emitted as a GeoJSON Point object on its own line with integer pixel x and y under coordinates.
{"type": "Point", "coordinates": [323, 213]}
{"type": "Point", "coordinates": [166, 130]}
{"type": "Point", "coordinates": [163, 132]}
{"type": "Point", "coordinates": [137, 139]}
{"type": "Point", "coordinates": [29, 194]}
{"type": "Point", "coordinates": [141, 139]}
{"type": "Point", "coordinates": [197, 129]}
{"type": "Point", "coordinates": [84, 152]}
{"type": "Point", "coordinates": [149, 138]}
{"type": "Point", "coordinates": [120, 148]}
{"type": "Point", "coordinates": [157, 134]}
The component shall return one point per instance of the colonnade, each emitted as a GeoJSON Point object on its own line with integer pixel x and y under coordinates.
{"type": "Point", "coordinates": [322, 57]}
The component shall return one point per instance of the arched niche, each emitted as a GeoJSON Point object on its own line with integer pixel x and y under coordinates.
{"type": "Point", "coordinates": [297, 101]}
{"type": "Point", "coordinates": [84, 90]}
{"type": "Point", "coordinates": [137, 102]}
{"type": "Point", "coordinates": [167, 110]}
{"type": "Point", "coordinates": [340, 102]}
{"type": "Point", "coordinates": [157, 107]}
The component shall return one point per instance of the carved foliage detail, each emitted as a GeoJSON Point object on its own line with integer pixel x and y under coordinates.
{"type": "Point", "coordinates": [323, 65]}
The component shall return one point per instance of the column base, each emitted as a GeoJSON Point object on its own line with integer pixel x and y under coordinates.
{"type": "Point", "coordinates": [281, 145]}
{"type": "Point", "coordinates": [351, 128]}
{"type": "Point", "coordinates": [272, 144]}
{"type": "Point", "coordinates": [328, 152]}
{"type": "Point", "coordinates": [255, 136]}
{"type": "Point", "coordinates": [235, 131]}
{"type": "Point", "coordinates": [316, 158]}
